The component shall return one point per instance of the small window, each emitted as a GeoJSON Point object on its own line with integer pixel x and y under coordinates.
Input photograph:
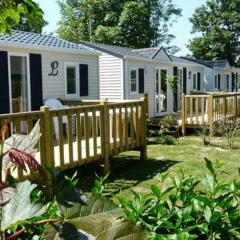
{"type": "Point", "coordinates": [194, 81]}
{"type": "Point", "coordinates": [71, 80]}
{"type": "Point", "coordinates": [133, 81]}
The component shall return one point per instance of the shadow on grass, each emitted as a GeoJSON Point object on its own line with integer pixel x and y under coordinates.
{"type": "Point", "coordinates": [127, 172]}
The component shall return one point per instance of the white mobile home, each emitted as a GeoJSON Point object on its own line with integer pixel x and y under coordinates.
{"type": "Point", "coordinates": [35, 67]}
{"type": "Point", "coordinates": [219, 75]}
{"type": "Point", "coordinates": [128, 73]}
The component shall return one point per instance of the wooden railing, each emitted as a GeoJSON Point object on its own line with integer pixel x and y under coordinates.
{"type": "Point", "coordinates": [78, 135]}
{"type": "Point", "coordinates": [204, 110]}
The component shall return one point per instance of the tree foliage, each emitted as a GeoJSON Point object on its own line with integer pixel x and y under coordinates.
{"type": "Point", "coordinates": [25, 15]}
{"type": "Point", "coordinates": [136, 24]}
{"type": "Point", "coordinates": [218, 21]}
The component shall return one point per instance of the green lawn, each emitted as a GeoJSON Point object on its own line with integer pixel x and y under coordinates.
{"type": "Point", "coordinates": [128, 172]}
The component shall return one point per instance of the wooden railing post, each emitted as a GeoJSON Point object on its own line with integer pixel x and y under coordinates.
{"type": "Point", "coordinates": [183, 115]}
{"type": "Point", "coordinates": [146, 101]}
{"type": "Point", "coordinates": [47, 132]}
{"type": "Point", "coordinates": [224, 106]}
{"type": "Point", "coordinates": [106, 136]}
{"type": "Point", "coordinates": [210, 113]}
{"type": "Point", "coordinates": [143, 148]}
{"type": "Point", "coordinates": [236, 105]}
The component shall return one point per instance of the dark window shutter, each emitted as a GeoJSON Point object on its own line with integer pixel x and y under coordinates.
{"type": "Point", "coordinates": [4, 89]}
{"type": "Point", "coordinates": [175, 94]}
{"type": "Point", "coordinates": [141, 80]}
{"type": "Point", "coordinates": [236, 81]}
{"type": "Point", "coordinates": [199, 81]}
{"type": "Point", "coordinates": [36, 81]}
{"type": "Point", "coordinates": [83, 78]}
{"type": "Point", "coordinates": [175, 71]}
{"type": "Point", "coordinates": [184, 80]}
{"type": "Point", "coordinates": [233, 82]}
{"type": "Point", "coordinates": [219, 81]}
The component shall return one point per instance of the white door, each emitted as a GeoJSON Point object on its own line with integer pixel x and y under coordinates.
{"type": "Point", "coordinates": [19, 83]}
{"type": "Point", "coordinates": [160, 91]}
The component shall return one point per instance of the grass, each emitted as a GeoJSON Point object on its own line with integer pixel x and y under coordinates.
{"type": "Point", "coordinates": [128, 172]}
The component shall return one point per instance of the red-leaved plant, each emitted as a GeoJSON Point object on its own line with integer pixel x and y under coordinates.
{"type": "Point", "coordinates": [17, 150]}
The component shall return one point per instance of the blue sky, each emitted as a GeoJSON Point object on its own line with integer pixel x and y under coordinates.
{"type": "Point", "coordinates": [181, 29]}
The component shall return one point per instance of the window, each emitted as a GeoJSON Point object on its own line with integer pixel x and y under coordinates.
{"type": "Point", "coordinates": [195, 81]}
{"type": "Point", "coordinates": [71, 73]}
{"type": "Point", "coordinates": [133, 81]}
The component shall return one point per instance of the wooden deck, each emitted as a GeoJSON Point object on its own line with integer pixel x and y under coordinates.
{"type": "Point", "coordinates": [200, 111]}
{"type": "Point", "coordinates": [94, 131]}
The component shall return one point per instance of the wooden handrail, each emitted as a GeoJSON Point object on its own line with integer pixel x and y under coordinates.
{"type": "Point", "coordinates": [214, 107]}
{"type": "Point", "coordinates": [76, 135]}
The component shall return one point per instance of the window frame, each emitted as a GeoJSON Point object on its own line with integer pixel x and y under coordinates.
{"type": "Point", "coordinates": [137, 81]}
{"type": "Point", "coordinates": [77, 84]}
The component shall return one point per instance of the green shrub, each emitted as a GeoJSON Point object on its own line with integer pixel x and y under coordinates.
{"type": "Point", "coordinates": [182, 211]}
{"type": "Point", "coordinates": [166, 140]}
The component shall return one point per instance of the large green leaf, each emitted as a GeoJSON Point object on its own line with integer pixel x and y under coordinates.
{"type": "Point", "coordinates": [74, 206]}
{"type": "Point", "coordinates": [101, 226]}
{"type": "Point", "coordinates": [98, 218]}
{"type": "Point", "coordinates": [20, 208]}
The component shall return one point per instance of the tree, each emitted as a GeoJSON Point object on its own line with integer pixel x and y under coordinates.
{"type": "Point", "coordinates": [136, 24]}
{"type": "Point", "coordinates": [23, 15]}
{"type": "Point", "coordinates": [218, 22]}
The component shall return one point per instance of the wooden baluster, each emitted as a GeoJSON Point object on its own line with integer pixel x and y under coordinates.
{"type": "Point", "coordinates": [132, 128]}
{"type": "Point", "coordinates": [191, 110]}
{"type": "Point", "coordinates": [29, 124]}
{"type": "Point", "coordinates": [120, 128]}
{"type": "Point", "coordinates": [137, 125]}
{"type": "Point", "coordinates": [203, 109]}
{"type": "Point", "coordinates": [86, 124]}
{"type": "Point", "coordinates": [126, 129]}
{"type": "Point", "coordinates": [211, 113]}
{"type": "Point", "coordinates": [29, 129]}
{"type": "Point", "coordinates": [114, 128]}
{"type": "Point", "coordinates": [105, 136]}
{"type": "Point", "coordinates": [184, 115]}
{"type": "Point", "coordinates": [143, 149]}
{"type": "Point", "coordinates": [235, 106]}
{"type": "Point", "coordinates": [17, 128]}
{"type": "Point", "coordinates": [79, 136]}
{"type": "Point", "coordinates": [70, 136]}
{"type": "Point", "coordinates": [61, 138]}
{"type": "Point", "coordinates": [94, 134]}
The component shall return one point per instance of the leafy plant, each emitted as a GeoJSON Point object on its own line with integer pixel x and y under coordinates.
{"type": "Point", "coordinates": [182, 211]}
{"type": "Point", "coordinates": [18, 150]}
{"type": "Point", "coordinates": [166, 140]}
{"type": "Point", "coordinates": [172, 83]}
{"type": "Point", "coordinates": [99, 184]}
{"type": "Point", "coordinates": [167, 128]}
{"type": "Point", "coordinates": [16, 205]}
{"type": "Point", "coordinates": [228, 128]}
